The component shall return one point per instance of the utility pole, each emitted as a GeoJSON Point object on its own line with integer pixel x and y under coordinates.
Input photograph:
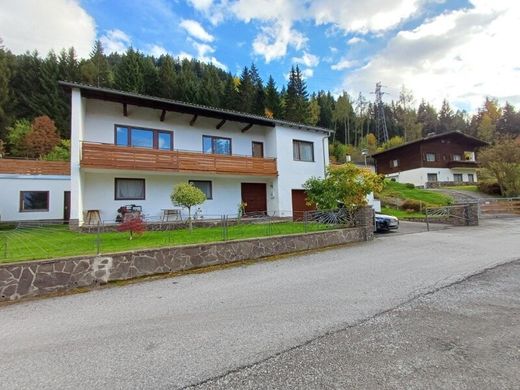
{"type": "Point", "coordinates": [382, 131]}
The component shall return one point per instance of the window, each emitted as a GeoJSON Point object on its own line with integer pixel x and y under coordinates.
{"type": "Point", "coordinates": [204, 186]}
{"type": "Point", "coordinates": [143, 138]}
{"type": "Point", "coordinates": [34, 200]}
{"type": "Point", "coordinates": [457, 177]}
{"type": "Point", "coordinates": [432, 177]}
{"type": "Point", "coordinates": [216, 145]}
{"type": "Point", "coordinates": [430, 157]}
{"type": "Point", "coordinates": [457, 157]}
{"type": "Point", "coordinates": [258, 149]}
{"type": "Point", "coordinates": [394, 163]}
{"type": "Point", "coordinates": [129, 189]}
{"type": "Point", "coordinates": [471, 178]}
{"type": "Point", "coordinates": [303, 151]}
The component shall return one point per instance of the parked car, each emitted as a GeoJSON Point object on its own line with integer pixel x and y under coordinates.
{"type": "Point", "coordinates": [385, 222]}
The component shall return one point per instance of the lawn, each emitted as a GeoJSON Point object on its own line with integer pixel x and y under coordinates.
{"type": "Point", "coordinates": [401, 213]}
{"type": "Point", "coordinates": [463, 188]}
{"type": "Point", "coordinates": [32, 243]}
{"type": "Point", "coordinates": [402, 191]}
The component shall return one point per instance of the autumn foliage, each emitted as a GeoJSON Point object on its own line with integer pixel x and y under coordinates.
{"type": "Point", "coordinates": [133, 224]}
{"type": "Point", "coordinates": [42, 138]}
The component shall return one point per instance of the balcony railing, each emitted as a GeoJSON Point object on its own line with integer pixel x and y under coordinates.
{"type": "Point", "coordinates": [34, 167]}
{"type": "Point", "coordinates": [109, 156]}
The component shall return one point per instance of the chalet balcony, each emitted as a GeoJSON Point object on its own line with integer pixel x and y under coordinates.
{"type": "Point", "coordinates": [110, 156]}
{"type": "Point", "coordinates": [462, 164]}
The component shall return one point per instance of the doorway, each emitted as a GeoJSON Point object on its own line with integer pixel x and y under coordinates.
{"type": "Point", "coordinates": [66, 206]}
{"type": "Point", "coordinates": [299, 204]}
{"type": "Point", "coordinates": [254, 195]}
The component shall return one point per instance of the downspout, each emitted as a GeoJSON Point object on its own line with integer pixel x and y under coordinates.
{"type": "Point", "coordinates": [324, 155]}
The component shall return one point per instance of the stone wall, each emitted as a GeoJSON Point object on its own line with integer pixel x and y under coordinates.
{"type": "Point", "coordinates": [35, 278]}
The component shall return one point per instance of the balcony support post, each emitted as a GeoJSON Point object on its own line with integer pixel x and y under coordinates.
{"type": "Point", "coordinates": [221, 123]}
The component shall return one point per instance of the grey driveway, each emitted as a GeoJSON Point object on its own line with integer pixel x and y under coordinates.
{"type": "Point", "coordinates": [176, 332]}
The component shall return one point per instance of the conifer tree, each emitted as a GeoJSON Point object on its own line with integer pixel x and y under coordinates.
{"type": "Point", "coordinates": [272, 102]}
{"type": "Point", "coordinates": [129, 72]}
{"type": "Point", "coordinates": [167, 77]}
{"type": "Point", "coordinates": [96, 70]}
{"type": "Point", "coordinates": [259, 93]}
{"type": "Point", "coordinates": [246, 92]}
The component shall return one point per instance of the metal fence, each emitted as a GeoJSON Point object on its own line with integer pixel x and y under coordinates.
{"type": "Point", "coordinates": [50, 239]}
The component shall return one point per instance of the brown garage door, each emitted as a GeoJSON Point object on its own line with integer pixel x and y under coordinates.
{"type": "Point", "coordinates": [299, 204]}
{"type": "Point", "coordinates": [255, 196]}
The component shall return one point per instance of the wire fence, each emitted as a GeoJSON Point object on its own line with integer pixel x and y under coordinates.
{"type": "Point", "coordinates": [51, 239]}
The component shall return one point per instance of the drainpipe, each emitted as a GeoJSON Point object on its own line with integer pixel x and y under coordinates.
{"type": "Point", "coordinates": [324, 139]}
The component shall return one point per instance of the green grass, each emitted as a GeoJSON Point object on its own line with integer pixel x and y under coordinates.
{"type": "Point", "coordinates": [401, 213]}
{"type": "Point", "coordinates": [58, 241]}
{"type": "Point", "coordinates": [402, 191]}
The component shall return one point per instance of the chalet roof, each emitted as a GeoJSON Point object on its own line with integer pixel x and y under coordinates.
{"type": "Point", "coordinates": [477, 142]}
{"type": "Point", "coordinates": [114, 95]}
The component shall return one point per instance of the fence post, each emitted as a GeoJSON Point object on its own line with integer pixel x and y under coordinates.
{"type": "Point", "coordinates": [427, 221]}
{"type": "Point", "coordinates": [305, 220]}
{"type": "Point", "coordinates": [98, 239]}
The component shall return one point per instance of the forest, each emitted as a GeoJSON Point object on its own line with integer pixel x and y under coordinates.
{"type": "Point", "coordinates": [35, 115]}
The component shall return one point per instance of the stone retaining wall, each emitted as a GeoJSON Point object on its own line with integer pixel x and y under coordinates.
{"type": "Point", "coordinates": [29, 279]}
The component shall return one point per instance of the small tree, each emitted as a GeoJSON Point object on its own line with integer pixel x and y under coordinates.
{"type": "Point", "coordinates": [60, 152]}
{"type": "Point", "coordinates": [42, 138]}
{"type": "Point", "coordinates": [187, 195]}
{"type": "Point", "coordinates": [346, 183]}
{"type": "Point", "coordinates": [133, 224]}
{"type": "Point", "coordinates": [502, 160]}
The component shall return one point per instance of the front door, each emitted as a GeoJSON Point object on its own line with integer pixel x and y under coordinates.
{"type": "Point", "coordinates": [254, 195]}
{"type": "Point", "coordinates": [299, 205]}
{"type": "Point", "coordinates": [66, 206]}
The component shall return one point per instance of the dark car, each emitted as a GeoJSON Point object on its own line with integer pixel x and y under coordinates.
{"type": "Point", "coordinates": [385, 222]}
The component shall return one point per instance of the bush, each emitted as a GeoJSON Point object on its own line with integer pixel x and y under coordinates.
{"type": "Point", "coordinates": [409, 185]}
{"type": "Point", "coordinates": [411, 204]}
{"type": "Point", "coordinates": [491, 188]}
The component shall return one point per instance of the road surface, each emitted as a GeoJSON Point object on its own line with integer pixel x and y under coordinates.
{"type": "Point", "coordinates": [184, 331]}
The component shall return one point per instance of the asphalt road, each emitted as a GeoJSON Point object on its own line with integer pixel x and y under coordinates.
{"type": "Point", "coordinates": [466, 336]}
{"type": "Point", "coordinates": [184, 331]}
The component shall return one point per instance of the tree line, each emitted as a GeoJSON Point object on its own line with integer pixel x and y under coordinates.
{"type": "Point", "coordinates": [29, 89]}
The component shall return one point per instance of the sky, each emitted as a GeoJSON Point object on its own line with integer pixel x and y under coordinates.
{"type": "Point", "coordinates": [460, 50]}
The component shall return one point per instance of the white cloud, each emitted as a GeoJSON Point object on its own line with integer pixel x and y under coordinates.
{"type": "Point", "coordinates": [333, 49]}
{"type": "Point", "coordinates": [204, 54]}
{"type": "Point", "coordinates": [343, 64]}
{"type": "Point", "coordinates": [460, 55]}
{"type": "Point", "coordinates": [307, 59]}
{"type": "Point", "coordinates": [46, 25]}
{"type": "Point", "coordinates": [201, 5]}
{"type": "Point", "coordinates": [354, 40]}
{"type": "Point", "coordinates": [195, 29]}
{"type": "Point", "coordinates": [115, 41]}
{"type": "Point", "coordinates": [307, 73]}
{"type": "Point", "coordinates": [363, 16]}
{"type": "Point", "coordinates": [274, 39]}
{"type": "Point", "coordinates": [157, 50]}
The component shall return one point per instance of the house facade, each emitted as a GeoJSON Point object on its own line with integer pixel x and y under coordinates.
{"type": "Point", "coordinates": [34, 190]}
{"type": "Point", "coordinates": [130, 149]}
{"type": "Point", "coordinates": [448, 158]}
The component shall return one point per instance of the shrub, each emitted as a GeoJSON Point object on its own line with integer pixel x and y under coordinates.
{"type": "Point", "coordinates": [411, 204]}
{"type": "Point", "coordinates": [491, 188]}
{"type": "Point", "coordinates": [409, 185]}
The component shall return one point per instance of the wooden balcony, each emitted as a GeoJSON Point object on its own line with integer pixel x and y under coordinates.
{"type": "Point", "coordinates": [34, 167]}
{"type": "Point", "coordinates": [109, 156]}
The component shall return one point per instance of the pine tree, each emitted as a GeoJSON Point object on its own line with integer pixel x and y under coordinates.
{"type": "Point", "coordinates": [5, 75]}
{"type": "Point", "coordinates": [272, 103]}
{"type": "Point", "coordinates": [445, 123]}
{"type": "Point", "coordinates": [230, 94]}
{"type": "Point", "coordinates": [167, 77]}
{"type": "Point", "coordinates": [296, 101]}
{"type": "Point", "coordinates": [211, 90]}
{"type": "Point", "coordinates": [129, 73]}
{"type": "Point", "coordinates": [259, 93]}
{"type": "Point", "coordinates": [246, 92]}
{"type": "Point", "coordinates": [509, 122]}
{"type": "Point", "coordinates": [96, 70]}
{"type": "Point", "coordinates": [150, 76]}
{"type": "Point", "coordinates": [427, 117]}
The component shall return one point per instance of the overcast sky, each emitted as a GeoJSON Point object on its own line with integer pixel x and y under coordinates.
{"type": "Point", "coordinates": [455, 49]}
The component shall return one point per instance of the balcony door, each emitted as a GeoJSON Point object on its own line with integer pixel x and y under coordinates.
{"type": "Point", "coordinates": [254, 195]}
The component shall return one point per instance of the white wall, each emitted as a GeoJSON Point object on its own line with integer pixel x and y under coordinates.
{"type": "Point", "coordinates": [292, 174]}
{"type": "Point", "coordinates": [99, 188]}
{"type": "Point", "coordinates": [419, 176]}
{"type": "Point", "coordinates": [12, 184]}
{"type": "Point", "coordinates": [102, 116]}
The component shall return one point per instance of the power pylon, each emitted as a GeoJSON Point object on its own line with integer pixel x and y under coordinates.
{"type": "Point", "coordinates": [382, 131]}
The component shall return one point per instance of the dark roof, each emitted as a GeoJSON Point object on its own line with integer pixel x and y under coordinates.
{"type": "Point", "coordinates": [476, 141]}
{"type": "Point", "coordinates": [114, 95]}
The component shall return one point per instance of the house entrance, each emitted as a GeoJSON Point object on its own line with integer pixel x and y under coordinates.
{"type": "Point", "coordinates": [299, 204]}
{"type": "Point", "coordinates": [255, 196]}
{"type": "Point", "coordinates": [66, 206]}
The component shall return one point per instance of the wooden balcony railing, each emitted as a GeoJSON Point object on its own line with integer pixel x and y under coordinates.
{"type": "Point", "coordinates": [109, 156]}
{"type": "Point", "coordinates": [34, 167]}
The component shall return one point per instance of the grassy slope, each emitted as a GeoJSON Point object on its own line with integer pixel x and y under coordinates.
{"type": "Point", "coordinates": [58, 241]}
{"type": "Point", "coordinates": [401, 191]}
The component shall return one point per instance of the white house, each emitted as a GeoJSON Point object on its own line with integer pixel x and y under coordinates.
{"type": "Point", "coordinates": [132, 149]}
{"type": "Point", "coordinates": [34, 190]}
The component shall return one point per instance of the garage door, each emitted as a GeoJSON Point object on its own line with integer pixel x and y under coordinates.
{"type": "Point", "coordinates": [299, 204]}
{"type": "Point", "coordinates": [255, 196]}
